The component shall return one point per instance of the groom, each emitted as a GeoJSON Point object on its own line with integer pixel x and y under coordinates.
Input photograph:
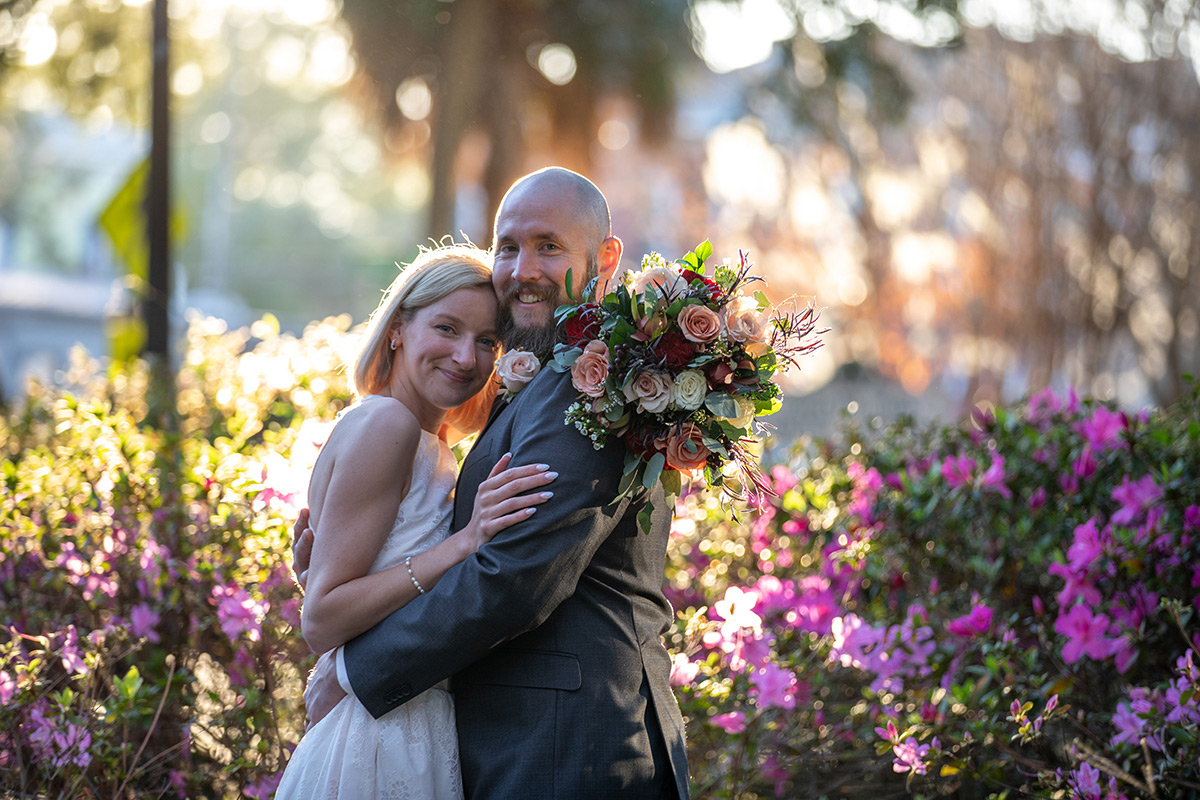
{"type": "Point", "coordinates": [553, 630]}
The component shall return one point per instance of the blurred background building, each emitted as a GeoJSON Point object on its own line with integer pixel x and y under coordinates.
{"type": "Point", "coordinates": [985, 196]}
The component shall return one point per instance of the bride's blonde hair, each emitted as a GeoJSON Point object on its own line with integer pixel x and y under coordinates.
{"type": "Point", "coordinates": [434, 274]}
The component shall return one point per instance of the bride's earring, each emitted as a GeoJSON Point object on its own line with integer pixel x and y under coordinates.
{"type": "Point", "coordinates": [393, 345]}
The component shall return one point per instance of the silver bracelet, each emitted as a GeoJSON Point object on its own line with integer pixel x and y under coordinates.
{"type": "Point", "coordinates": [416, 583]}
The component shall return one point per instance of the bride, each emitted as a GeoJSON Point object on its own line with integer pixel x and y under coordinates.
{"type": "Point", "coordinates": [380, 500]}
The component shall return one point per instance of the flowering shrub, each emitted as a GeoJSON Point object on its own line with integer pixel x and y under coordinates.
{"type": "Point", "coordinates": [1001, 608]}
{"type": "Point", "coordinates": [147, 642]}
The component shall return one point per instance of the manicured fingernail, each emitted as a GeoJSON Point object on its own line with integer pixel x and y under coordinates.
{"type": "Point", "coordinates": [551, 475]}
{"type": "Point", "coordinates": [507, 455]}
{"type": "Point", "coordinates": [547, 495]}
{"type": "Point", "coordinates": [531, 509]}
{"type": "Point", "coordinates": [543, 467]}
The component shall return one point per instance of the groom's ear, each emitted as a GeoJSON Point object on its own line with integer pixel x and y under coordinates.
{"type": "Point", "coordinates": [608, 258]}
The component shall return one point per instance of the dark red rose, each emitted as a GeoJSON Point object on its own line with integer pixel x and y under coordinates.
{"type": "Point", "coordinates": [692, 278]}
{"type": "Point", "coordinates": [583, 325]}
{"type": "Point", "coordinates": [719, 374]}
{"type": "Point", "coordinates": [674, 349]}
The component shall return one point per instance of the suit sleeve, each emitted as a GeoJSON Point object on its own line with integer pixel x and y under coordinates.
{"type": "Point", "coordinates": [513, 583]}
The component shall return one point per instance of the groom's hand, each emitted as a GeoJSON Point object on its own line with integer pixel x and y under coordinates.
{"type": "Point", "coordinates": [323, 691]}
{"type": "Point", "coordinates": [302, 544]}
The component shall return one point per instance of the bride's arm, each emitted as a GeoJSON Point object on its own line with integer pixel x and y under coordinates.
{"type": "Point", "coordinates": [365, 489]}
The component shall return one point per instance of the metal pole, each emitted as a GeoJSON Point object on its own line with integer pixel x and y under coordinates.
{"type": "Point", "coordinates": [158, 199]}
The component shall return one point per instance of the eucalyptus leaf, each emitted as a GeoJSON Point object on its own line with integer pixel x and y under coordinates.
{"type": "Point", "coordinates": [721, 404]}
{"type": "Point", "coordinates": [654, 468]}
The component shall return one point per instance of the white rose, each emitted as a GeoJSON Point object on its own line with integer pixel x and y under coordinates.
{"type": "Point", "coordinates": [517, 368]}
{"type": "Point", "coordinates": [690, 389]}
{"type": "Point", "coordinates": [666, 280]}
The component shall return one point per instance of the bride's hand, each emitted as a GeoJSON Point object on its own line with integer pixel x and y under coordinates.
{"type": "Point", "coordinates": [322, 691]}
{"type": "Point", "coordinates": [500, 501]}
{"type": "Point", "coordinates": [302, 544]}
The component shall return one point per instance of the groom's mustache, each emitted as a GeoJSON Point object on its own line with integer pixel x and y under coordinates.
{"type": "Point", "coordinates": [544, 291]}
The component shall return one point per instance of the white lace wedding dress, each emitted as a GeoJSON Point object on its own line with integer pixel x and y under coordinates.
{"type": "Point", "coordinates": [411, 752]}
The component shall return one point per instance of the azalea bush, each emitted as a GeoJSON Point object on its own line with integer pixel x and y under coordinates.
{"type": "Point", "coordinates": [996, 609]}
{"type": "Point", "coordinates": [1004, 607]}
{"type": "Point", "coordinates": [149, 640]}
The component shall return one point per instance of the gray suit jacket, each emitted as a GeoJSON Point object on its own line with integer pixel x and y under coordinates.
{"type": "Point", "coordinates": [552, 631]}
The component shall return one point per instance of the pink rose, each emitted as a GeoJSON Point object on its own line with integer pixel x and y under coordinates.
{"type": "Point", "coordinates": [651, 390]}
{"type": "Point", "coordinates": [517, 368]}
{"type": "Point", "coordinates": [699, 323]}
{"type": "Point", "coordinates": [743, 320]}
{"type": "Point", "coordinates": [591, 369]}
{"type": "Point", "coordinates": [685, 448]}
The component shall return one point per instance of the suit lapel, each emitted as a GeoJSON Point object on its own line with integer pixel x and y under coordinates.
{"type": "Point", "coordinates": [498, 405]}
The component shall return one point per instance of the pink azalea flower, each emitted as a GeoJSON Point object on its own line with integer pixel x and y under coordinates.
{"type": "Point", "coordinates": [72, 743]}
{"type": "Point", "coordinates": [263, 788]}
{"type": "Point", "coordinates": [1087, 782]}
{"type": "Point", "coordinates": [854, 642]}
{"type": "Point", "coordinates": [816, 607]}
{"type": "Point", "coordinates": [889, 733]}
{"type": "Point", "coordinates": [71, 660]}
{"type": "Point", "coordinates": [775, 595]}
{"type": "Point", "coordinates": [1191, 518]}
{"type": "Point", "coordinates": [1178, 711]}
{"type": "Point", "coordinates": [1086, 547]}
{"type": "Point", "coordinates": [8, 687]}
{"type": "Point", "coordinates": [956, 470]}
{"type": "Point", "coordinates": [994, 477]}
{"type": "Point", "coordinates": [774, 686]}
{"type": "Point", "coordinates": [975, 623]}
{"type": "Point", "coordinates": [1043, 404]}
{"type": "Point", "coordinates": [683, 670]}
{"type": "Point", "coordinates": [239, 613]}
{"type": "Point", "coordinates": [1103, 429]}
{"type": "Point", "coordinates": [143, 621]}
{"type": "Point", "coordinates": [1135, 498]}
{"type": "Point", "coordinates": [1124, 652]}
{"type": "Point", "coordinates": [910, 756]}
{"type": "Point", "coordinates": [783, 479]}
{"type": "Point", "coordinates": [733, 722]}
{"type": "Point", "coordinates": [1085, 633]}
{"type": "Point", "coordinates": [1085, 465]}
{"type": "Point", "coordinates": [1078, 586]}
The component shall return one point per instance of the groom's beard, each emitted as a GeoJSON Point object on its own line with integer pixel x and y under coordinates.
{"type": "Point", "coordinates": [537, 339]}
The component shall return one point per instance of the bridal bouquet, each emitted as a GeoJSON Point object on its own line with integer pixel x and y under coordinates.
{"type": "Point", "coordinates": [677, 363]}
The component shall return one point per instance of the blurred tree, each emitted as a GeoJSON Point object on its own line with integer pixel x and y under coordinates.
{"type": "Point", "coordinates": [1088, 162]}
{"type": "Point", "coordinates": [1021, 204]}
{"type": "Point", "coordinates": [478, 86]}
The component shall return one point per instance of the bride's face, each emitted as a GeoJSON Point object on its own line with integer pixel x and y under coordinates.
{"type": "Point", "coordinates": [447, 350]}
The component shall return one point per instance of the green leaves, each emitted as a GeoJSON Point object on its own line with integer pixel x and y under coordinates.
{"type": "Point", "coordinates": [696, 258]}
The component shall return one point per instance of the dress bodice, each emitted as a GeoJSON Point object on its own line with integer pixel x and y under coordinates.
{"type": "Point", "coordinates": [423, 518]}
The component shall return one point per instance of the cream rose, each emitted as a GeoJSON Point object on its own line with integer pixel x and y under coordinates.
{"type": "Point", "coordinates": [690, 389]}
{"type": "Point", "coordinates": [743, 320]}
{"type": "Point", "coordinates": [685, 449]}
{"type": "Point", "coordinates": [745, 413]}
{"type": "Point", "coordinates": [517, 368]}
{"type": "Point", "coordinates": [666, 280]}
{"type": "Point", "coordinates": [699, 323]}
{"type": "Point", "coordinates": [591, 369]}
{"type": "Point", "coordinates": [651, 390]}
